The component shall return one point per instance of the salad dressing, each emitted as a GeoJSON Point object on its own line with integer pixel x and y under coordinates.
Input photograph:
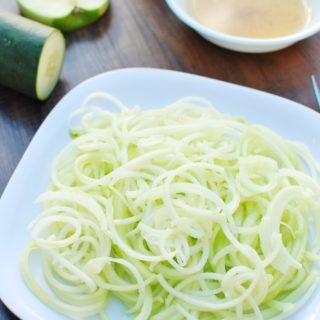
{"type": "Point", "coordinates": [251, 18]}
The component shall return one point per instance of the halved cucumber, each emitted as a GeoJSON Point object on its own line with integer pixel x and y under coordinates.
{"type": "Point", "coordinates": [31, 55]}
{"type": "Point", "coordinates": [66, 15]}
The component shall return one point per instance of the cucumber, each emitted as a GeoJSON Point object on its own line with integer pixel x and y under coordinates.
{"type": "Point", "coordinates": [66, 15]}
{"type": "Point", "coordinates": [31, 55]}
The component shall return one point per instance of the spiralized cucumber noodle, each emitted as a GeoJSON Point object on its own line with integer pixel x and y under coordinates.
{"type": "Point", "coordinates": [180, 212]}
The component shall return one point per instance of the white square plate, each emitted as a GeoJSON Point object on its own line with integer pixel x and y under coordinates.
{"type": "Point", "coordinates": [149, 88]}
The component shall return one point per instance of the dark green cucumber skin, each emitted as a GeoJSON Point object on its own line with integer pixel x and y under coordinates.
{"type": "Point", "coordinates": [21, 43]}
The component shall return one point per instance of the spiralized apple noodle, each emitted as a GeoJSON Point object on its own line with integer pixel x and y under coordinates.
{"type": "Point", "coordinates": [181, 213]}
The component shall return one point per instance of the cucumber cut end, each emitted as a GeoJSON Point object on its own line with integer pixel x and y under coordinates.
{"type": "Point", "coordinates": [47, 9]}
{"type": "Point", "coordinates": [50, 64]}
{"type": "Point", "coordinates": [66, 15]}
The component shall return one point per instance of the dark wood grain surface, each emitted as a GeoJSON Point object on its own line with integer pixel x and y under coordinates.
{"type": "Point", "coordinates": [144, 33]}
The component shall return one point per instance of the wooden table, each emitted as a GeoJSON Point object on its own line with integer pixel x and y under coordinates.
{"type": "Point", "coordinates": [144, 33]}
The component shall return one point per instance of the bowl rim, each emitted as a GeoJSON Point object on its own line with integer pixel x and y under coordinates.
{"type": "Point", "coordinates": [197, 26]}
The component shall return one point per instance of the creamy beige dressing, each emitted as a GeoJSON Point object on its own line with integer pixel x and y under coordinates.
{"type": "Point", "coordinates": [251, 18]}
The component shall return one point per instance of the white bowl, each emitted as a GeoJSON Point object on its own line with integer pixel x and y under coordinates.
{"type": "Point", "coordinates": [179, 7]}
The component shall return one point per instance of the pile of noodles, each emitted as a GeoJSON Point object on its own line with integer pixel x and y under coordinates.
{"type": "Point", "coordinates": [181, 213]}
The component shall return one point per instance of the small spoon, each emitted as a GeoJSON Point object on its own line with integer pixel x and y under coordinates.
{"type": "Point", "coordinates": [316, 89]}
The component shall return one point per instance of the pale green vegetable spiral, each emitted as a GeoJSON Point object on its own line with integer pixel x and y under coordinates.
{"type": "Point", "coordinates": [181, 213]}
